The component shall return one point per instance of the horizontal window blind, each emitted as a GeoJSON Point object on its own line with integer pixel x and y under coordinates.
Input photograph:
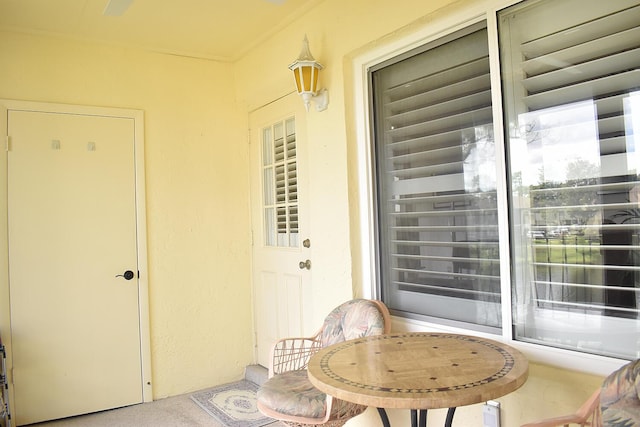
{"type": "Point", "coordinates": [573, 107]}
{"type": "Point", "coordinates": [435, 176]}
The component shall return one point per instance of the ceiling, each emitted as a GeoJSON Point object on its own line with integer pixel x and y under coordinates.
{"type": "Point", "coordinates": [222, 30]}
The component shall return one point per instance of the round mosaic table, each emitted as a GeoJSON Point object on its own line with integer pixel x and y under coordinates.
{"type": "Point", "coordinates": [418, 371]}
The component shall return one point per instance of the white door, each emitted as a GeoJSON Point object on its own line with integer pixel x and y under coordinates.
{"type": "Point", "coordinates": [282, 263]}
{"type": "Point", "coordinates": [75, 323]}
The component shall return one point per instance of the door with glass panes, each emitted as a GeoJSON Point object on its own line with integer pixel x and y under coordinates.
{"type": "Point", "coordinates": [281, 249]}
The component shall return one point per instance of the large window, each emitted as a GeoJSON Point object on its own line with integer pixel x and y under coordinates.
{"type": "Point", "coordinates": [437, 184]}
{"type": "Point", "coordinates": [570, 74]}
{"type": "Point", "coordinates": [572, 106]}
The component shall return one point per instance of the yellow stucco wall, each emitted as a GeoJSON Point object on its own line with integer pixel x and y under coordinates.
{"type": "Point", "coordinates": [197, 192]}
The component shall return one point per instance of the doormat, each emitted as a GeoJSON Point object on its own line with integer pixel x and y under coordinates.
{"type": "Point", "coordinates": [233, 405]}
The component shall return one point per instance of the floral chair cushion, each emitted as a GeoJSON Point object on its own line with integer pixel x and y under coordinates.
{"type": "Point", "coordinates": [291, 393]}
{"type": "Point", "coordinates": [620, 397]}
{"type": "Point", "coordinates": [353, 319]}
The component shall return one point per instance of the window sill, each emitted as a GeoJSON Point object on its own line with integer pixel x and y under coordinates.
{"type": "Point", "coordinates": [559, 358]}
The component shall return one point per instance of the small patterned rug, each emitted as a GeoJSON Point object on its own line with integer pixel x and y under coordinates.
{"type": "Point", "coordinates": [233, 405]}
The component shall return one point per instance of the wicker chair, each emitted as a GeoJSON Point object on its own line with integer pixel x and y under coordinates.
{"type": "Point", "coordinates": [289, 396]}
{"type": "Point", "coordinates": [615, 404]}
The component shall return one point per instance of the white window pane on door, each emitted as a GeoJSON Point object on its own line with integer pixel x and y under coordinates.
{"type": "Point", "coordinates": [280, 184]}
{"type": "Point", "coordinates": [269, 227]}
{"type": "Point", "coordinates": [281, 226]}
{"type": "Point", "coordinates": [278, 138]}
{"type": "Point", "coordinates": [290, 131]}
{"type": "Point", "coordinates": [435, 165]}
{"type": "Point", "coordinates": [268, 187]}
{"type": "Point", "coordinates": [293, 224]}
{"type": "Point", "coordinates": [267, 147]}
{"type": "Point", "coordinates": [571, 105]}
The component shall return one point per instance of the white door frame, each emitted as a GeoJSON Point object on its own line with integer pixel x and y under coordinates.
{"type": "Point", "coordinates": [141, 227]}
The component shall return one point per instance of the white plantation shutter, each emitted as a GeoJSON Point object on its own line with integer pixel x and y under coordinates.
{"type": "Point", "coordinates": [572, 102]}
{"type": "Point", "coordinates": [280, 184]}
{"type": "Point", "coordinates": [437, 225]}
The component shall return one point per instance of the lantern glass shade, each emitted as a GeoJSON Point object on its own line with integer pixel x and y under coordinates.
{"type": "Point", "coordinates": [306, 77]}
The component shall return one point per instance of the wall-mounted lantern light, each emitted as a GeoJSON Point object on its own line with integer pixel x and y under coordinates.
{"type": "Point", "coordinates": [305, 71]}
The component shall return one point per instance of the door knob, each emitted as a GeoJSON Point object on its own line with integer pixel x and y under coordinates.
{"type": "Point", "coordinates": [305, 265]}
{"type": "Point", "coordinates": [128, 275]}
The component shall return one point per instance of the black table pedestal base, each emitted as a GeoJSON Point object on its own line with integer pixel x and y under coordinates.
{"type": "Point", "coordinates": [416, 421]}
{"type": "Point", "coordinates": [384, 417]}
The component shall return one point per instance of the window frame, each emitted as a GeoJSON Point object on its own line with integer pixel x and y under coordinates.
{"type": "Point", "coordinates": [447, 21]}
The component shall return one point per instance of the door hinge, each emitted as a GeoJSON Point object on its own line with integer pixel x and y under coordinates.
{"type": "Point", "coordinates": [8, 143]}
